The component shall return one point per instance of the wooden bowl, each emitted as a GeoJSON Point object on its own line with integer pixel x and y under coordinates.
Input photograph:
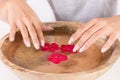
{"type": "Point", "coordinates": [31, 64]}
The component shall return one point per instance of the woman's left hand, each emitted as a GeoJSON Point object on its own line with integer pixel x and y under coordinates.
{"type": "Point", "coordinates": [93, 30]}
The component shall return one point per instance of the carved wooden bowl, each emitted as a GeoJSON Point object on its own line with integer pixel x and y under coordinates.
{"type": "Point", "coordinates": [31, 64]}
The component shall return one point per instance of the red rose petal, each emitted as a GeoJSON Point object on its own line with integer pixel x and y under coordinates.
{"type": "Point", "coordinates": [57, 58]}
{"type": "Point", "coordinates": [70, 48]}
{"type": "Point", "coordinates": [63, 48]}
{"type": "Point", "coordinates": [45, 47]}
{"type": "Point", "coordinates": [54, 47]}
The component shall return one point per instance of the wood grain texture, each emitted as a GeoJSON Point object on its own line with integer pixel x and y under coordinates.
{"type": "Point", "coordinates": [31, 64]}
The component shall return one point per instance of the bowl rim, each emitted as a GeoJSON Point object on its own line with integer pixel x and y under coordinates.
{"type": "Point", "coordinates": [102, 68]}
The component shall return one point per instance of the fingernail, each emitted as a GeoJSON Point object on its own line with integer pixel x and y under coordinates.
{"type": "Point", "coordinates": [27, 43]}
{"type": "Point", "coordinates": [71, 40]}
{"type": "Point", "coordinates": [42, 42]}
{"type": "Point", "coordinates": [82, 49]}
{"type": "Point", "coordinates": [75, 48]}
{"type": "Point", "coordinates": [11, 39]}
{"type": "Point", "coordinates": [103, 50]}
{"type": "Point", "coordinates": [37, 46]}
{"type": "Point", "coordinates": [50, 28]}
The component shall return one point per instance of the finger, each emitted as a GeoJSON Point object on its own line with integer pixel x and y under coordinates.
{"type": "Point", "coordinates": [12, 25]}
{"type": "Point", "coordinates": [24, 33]}
{"type": "Point", "coordinates": [32, 33]}
{"type": "Point", "coordinates": [109, 42]}
{"type": "Point", "coordinates": [93, 38]}
{"type": "Point", "coordinates": [46, 28]}
{"type": "Point", "coordinates": [37, 25]}
{"type": "Point", "coordinates": [81, 30]}
{"type": "Point", "coordinates": [88, 34]}
{"type": "Point", "coordinates": [12, 31]}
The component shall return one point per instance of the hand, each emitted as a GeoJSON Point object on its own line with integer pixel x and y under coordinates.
{"type": "Point", "coordinates": [93, 30]}
{"type": "Point", "coordinates": [20, 15]}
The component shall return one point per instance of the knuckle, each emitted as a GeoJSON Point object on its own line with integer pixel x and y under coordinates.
{"type": "Point", "coordinates": [23, 29]}
{"type": "Point", "coordinates": [41, 36]}
{"type": "Point", "coordinates": [36, 20]}
{"type": "Point", "coordinates": [27, 21]}
{"type": "Point", "coordinates": [12, 31]}
{"type": "Point", "coordinates": [84, 38]}
{"type": "Point", "coordinates": [26, 38]}
{"type": "Point", "coordinates": [109, 42]}
{"type": "Point", "coordinates": [25, 35]}
{"type": "Point", "coordinates": [35, 41]}
{"type": "Point", "coordinates": [86, 46]}
{"type": "Point", "coordinates": [38, 28]}
{"type": "Point", "coordinates": [88, 33]}
{"type": "Point", "coordinates": [88, 43]}
{"type": "Point", "coordinates": [94, 37]}
{"type": "Point", "coordinates": [18, 24]}
{"type": "Point", "coordinates": [96, 34]}
{"type": "Point", "coordinates": [114, 36]}
{"type": "Point", "coordinates": [81, 41]}
{"type": "Point", "coordinates": [78, 43]}
{"type": "Point", "coordinates": [24, 18]}
{"type": "Point", "coordinates": [34, 36]}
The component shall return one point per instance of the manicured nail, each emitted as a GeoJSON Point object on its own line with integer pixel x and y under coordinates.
{"type": "Point", "coordinates": [36, 46]}
{"type": "Point", "coordinates": [82, 49]}
{"type": "Point", "coordinates": [71, 40]}
{"type": "Point", "coordinates": [42, 42]}
{"type": "Point", "coordinates": [11, 39]}
{"type": "Point", "coordinates": [103, 50]}
{"type": "Point", "coordinates": [27, 43]}
{"type": "Point", "coordinates": [50, 28]}
{"type": "Point", "coordinates": [75, 48]}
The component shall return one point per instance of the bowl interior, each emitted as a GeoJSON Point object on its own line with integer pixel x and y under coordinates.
{"type": "Point", "coordinates": [30, 58]}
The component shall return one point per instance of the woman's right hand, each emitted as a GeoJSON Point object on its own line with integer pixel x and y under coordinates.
{"type": "Point", "coordinates": [19, 15]}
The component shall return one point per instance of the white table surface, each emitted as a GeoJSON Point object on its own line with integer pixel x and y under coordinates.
{"type": "Point", "coordinates": [6, 74]}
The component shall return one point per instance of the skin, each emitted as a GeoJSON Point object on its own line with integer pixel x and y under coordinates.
{"type": "Point", "coordinates": [93, 30]}
{"type": "Point", "coordinates": [19, 15]}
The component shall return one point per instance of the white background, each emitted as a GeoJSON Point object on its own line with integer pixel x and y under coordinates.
{"type": "Point", "coordinates": [47, 15]}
